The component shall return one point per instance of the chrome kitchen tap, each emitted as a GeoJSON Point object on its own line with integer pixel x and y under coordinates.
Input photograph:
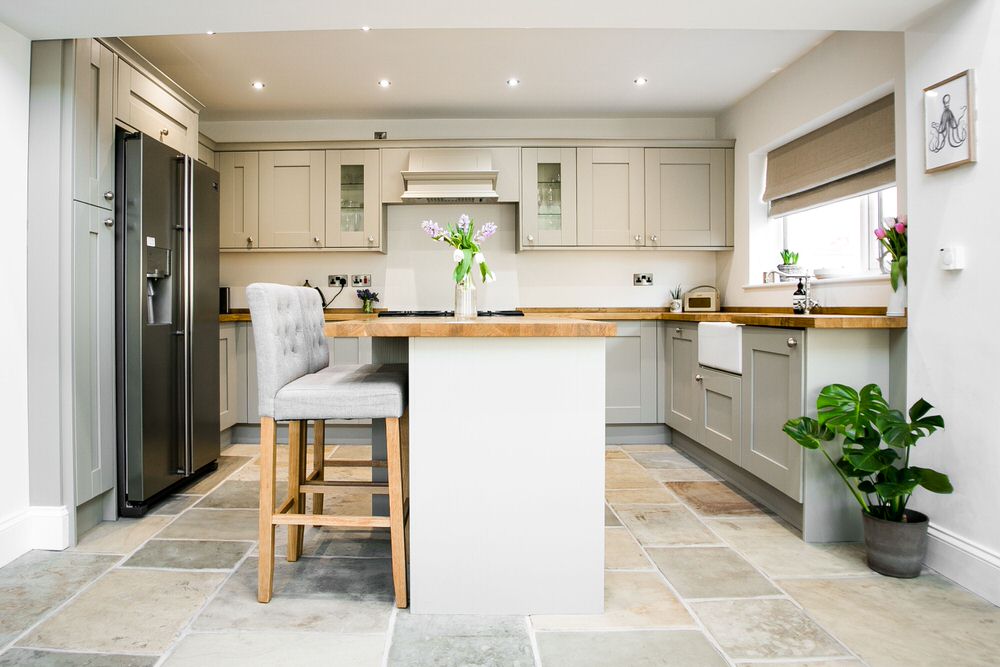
{"type": "Point", "coordinates": [805, 298]}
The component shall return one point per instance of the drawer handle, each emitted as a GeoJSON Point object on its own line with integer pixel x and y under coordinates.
{"type": "Point", "coordinates": [792, 342]}
{"type": "Point", "coordinates": [698, 378]}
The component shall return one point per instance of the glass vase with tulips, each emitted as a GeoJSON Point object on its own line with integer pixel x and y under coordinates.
{"type": "Point", "coordinates": [892, 235]}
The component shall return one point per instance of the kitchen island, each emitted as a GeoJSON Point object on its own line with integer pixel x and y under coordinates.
{"type": "Point", "coordinates": [506, 460]}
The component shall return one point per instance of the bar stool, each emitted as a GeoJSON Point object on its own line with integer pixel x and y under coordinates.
{"type": "Point", "coordinates": [297, 385]}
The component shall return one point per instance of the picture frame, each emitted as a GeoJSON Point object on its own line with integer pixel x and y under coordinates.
{"type": "Point", "coordinates": [949, 123]}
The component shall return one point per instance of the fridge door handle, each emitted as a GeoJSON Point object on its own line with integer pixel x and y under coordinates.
{"type": "Point", "coordinates": [187, 298]}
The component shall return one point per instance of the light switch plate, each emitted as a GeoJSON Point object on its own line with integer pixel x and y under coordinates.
{"type": "Point", "coordinates": [953, 258]}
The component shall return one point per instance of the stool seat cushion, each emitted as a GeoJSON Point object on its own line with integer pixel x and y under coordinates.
{"type": "Point", "coordinates": [367, 391]}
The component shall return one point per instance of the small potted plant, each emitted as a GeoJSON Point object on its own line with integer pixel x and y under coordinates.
{"type": "Point", "coordinates": [368, 300]}
{"type": "Point", "coordinates": [879, 477]}
{"type": "Point", "coordinates": [676, 305]}
{"type": "Point", "coordinates": [892, 236]}
{"type": "Point", "coordinates": [789, 264]}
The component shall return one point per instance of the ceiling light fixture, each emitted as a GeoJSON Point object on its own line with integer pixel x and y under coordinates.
{"type": "Point", "coordinates": [384, 83]}
{"type": "Point", "coordinates": [365, 28]}
{"type": "Point", "coordinates": [257, 85]}
{"type": "Point", "coordinates": [640, 81]}
{"type": "Point", "coordinates": [513, 81]}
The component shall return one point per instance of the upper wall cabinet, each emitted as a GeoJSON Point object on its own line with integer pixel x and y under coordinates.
{"type": "Point", "coordinates": [609, 197]}
{"type": "Point", "coordinates": [93, 123]}
{"type": "Point", "coordinates": [548, 197]}
{"type": "Point", "coordinates": [686, 197]}
{"type": "Point", "coordinates": [292, 199]}
{"type": "Point", "coordinates": [238, 206]}
{"type": "Point", "coordinates": [353, 210]}
{"type": "Point", "coordinates": [146, 106]}
{"type": "Point", "coordinates": [506, 161]}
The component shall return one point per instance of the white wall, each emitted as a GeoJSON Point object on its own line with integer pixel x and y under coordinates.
{"type": "Point", "coordinates": [415, 274]}
{"type": "Point", "coordinates": [843, 73]}
{"type": "Point", "coordinates": [953, 353]}
{"type": "Point", "coordinates": [14, 81]}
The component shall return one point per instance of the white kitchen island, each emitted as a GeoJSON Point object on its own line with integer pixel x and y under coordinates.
{"type": "Point", "coordinates": [506, 462]}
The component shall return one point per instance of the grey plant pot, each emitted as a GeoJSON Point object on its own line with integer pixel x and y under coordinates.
{"type": "Point", "coordinates": [896, 548]}
{"type": "Point", "coordinates": [789, 268]}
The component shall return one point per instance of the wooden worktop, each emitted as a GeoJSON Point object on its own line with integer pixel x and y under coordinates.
{"type": "Point", "coordinates": [483, 327]}
{"type": "Point", "coordinates": [829, 318]}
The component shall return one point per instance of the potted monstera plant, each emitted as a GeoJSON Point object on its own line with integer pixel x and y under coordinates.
{"type": "Point", "coordinates": [874, 462]}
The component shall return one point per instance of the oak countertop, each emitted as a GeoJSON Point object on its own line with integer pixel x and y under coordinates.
{"type": "Point", "coordinates": [843, 318]}
{"type": "Point", "coordinates": [484, 327]}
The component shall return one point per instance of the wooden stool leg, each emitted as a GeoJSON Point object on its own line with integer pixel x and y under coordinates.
{"type": "Point", "coordinates": [319, 465]}
{"type": "Point", "coordinates": [295, 465]}
{"type": "Point", "coordinates": [265, 562]}
{"type": "Point", "coordinates": [396, 533]}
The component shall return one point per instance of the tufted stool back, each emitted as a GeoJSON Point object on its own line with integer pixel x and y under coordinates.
{"type": "Point", "coordinates": [288, 330]}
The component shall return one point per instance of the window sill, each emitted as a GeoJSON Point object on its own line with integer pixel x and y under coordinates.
{"type": "Point", "coordinates": [871, 278]}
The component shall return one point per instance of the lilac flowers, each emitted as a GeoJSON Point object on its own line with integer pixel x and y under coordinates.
{"type": "Point", "coordinates": [465, 239]}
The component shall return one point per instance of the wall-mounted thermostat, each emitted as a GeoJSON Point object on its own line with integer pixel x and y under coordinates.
{"type": "Point", "coordinates": [952, 259]}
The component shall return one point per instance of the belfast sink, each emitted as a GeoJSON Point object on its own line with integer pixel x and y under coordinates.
{"type": "Point", "coordinates": [720, 345]}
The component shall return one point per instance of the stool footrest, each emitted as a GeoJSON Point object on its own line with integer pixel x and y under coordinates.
{"type": "Point", "coordinates": [329, 520]}
{"type": "Point", "coordinates": [328, 487]}
{"type": "Point", "coordinates": [353, 463]}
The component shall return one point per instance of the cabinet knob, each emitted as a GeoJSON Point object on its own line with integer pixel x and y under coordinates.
{"type": "Point", "coordinates": [678, 329]}
{"type": "Point", "coordinates": [638, 238]}
{"type": "Point", "coordinates": [531, 239]}
{"type": "Point", "coordinates": [371, 239]}
{"type": "Point", "coordinates": [698, 378]}
{"type": "Point", "coordinates": [164, 132]}
{"type": "Point", "coordinates": [250, 241]}
{"type": "Point", "coordinates": [792, 342]}
{"type": "Point", "coordinates": [109, 195]}
{"type": "Point", "coordinates": [110, 222]}
{"type": "Point", "coordinates": [316, 240]}
{"type": "Point", "coordinates": [653, 238]}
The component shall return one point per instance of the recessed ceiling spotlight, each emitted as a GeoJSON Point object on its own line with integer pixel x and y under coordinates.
{"type": "Point", "coordinates": [257, 85]}
{"type": "Point", "coordinates": [640, 81]}
{"type": "Point", "coordinates": [384, 83]}
{"type": "Point", "coordinates": [209, 32]}
{"type": "Point", "coordinates": [513, 81]}
{"type": "Point", "coordinates": [365, 28]}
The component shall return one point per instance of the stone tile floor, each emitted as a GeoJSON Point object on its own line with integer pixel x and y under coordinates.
{"type": "Point", "coordinates": [696, 575]}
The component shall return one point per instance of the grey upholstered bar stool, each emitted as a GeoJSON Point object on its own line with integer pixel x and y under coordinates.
{"type": "Point", "coordinates": [297, 385]}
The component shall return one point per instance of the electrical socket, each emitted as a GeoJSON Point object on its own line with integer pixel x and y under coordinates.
{"type": "Point", "coordinates": [336, 281]}
{"type": "Point", "coordinates": [642, 279]}
{"type": "Point", "coordinates": [361, 280]}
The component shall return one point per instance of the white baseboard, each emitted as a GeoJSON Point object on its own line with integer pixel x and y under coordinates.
{"type": "Point", "coordinates": [964, 562]}
{"type": "Point", "coordinates": [34, 528]}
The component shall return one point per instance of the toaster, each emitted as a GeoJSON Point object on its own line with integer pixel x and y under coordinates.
{"type": "Point", "coordinates": [701, 299]}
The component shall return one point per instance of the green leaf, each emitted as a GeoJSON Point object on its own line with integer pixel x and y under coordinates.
{"type": "Point", "coordinates": [894, 490]}
{"type": "Point", "coordinates": [902, 268]}
{"type": "Point", "coordinates": [932, 480]}
{"type": "Point", "coordinates": [899, 433]}
{"type": "Point", "coordinates": [866, 486]}
{"type": "Point", "coordinates": [848, 411]}
{"type": "Point", "coordinates": [807, 432]}
{"type": "Point", "coordinates": [870, 459]}
{"type": "Point", "coordinates": [462, 267]}
{"type": "Point", "coordinates": [894, 274]}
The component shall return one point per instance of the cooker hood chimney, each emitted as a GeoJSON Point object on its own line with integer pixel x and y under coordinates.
{"type": "Point", "coordinates": [450, 176]}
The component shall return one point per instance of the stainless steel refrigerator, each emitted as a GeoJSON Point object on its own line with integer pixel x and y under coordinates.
{"type": "Point", "coordinates": [167, 329]}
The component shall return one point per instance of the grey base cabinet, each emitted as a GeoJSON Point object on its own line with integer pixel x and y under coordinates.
{"type": "Point", "coordinates": [773, 392]}
{"type": "Point", "coordinates": [630, 389]}
{"type": "Point", "coordinates": [720, 412]}
{"type": "Point", "coordinates": [228, 376]}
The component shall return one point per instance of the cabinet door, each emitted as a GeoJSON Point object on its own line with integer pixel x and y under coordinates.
{"type": "Point", "coordinates": [292, 199]}
{"type": "Point", "coordinates": [238, 201]}
{"type": "Point", "coordinates": [719, 412]}
{"type": "Point", "coordinates": [772, 394]}
{"type": "Point", "coordinates": [609, 196]}
{"type": "Point", "coordinates": [93, 124]}
{"type": "Point", "coordinates": [685, 197]}
{"type": "Point", "coordinates": [548, 197]}
{"type": "Point", "coordinates": [93, 350]}
{"type": "Point", "coordinates": [683, 392]}
{"type": "Point", "coordinates": [353, 210]}
{"type": "Point", "coordinates": [228, 393]}
{"type": "Point", "coordinates": [148, 107]}
{"type": "Point", "coordinates": [630, 378]}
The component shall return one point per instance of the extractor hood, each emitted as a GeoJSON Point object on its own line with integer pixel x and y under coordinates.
{"type": "Point", "coordinates": [450, 175]}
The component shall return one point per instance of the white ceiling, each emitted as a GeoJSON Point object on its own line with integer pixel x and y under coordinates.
{"type": "Point", "coordinates": [463, 73]}
{"type": "Point", "coordinates": [48, 19]}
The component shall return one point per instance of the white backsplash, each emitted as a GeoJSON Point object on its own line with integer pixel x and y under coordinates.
{"type": "Point", "coordinates": [416, 272]}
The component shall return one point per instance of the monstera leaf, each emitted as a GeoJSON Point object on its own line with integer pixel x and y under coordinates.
{"type": "Point", "coordinates": [932, 480]}
{"type": "Point", "coordinates": [849, 411]}
{"type": "Point", "coordinates": [807, 432]}
{"type": "Point", "coordinates": [900, 433]}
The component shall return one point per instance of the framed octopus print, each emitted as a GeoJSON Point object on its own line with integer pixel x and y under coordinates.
{"type": "Point", "coordinates": [949, 123]}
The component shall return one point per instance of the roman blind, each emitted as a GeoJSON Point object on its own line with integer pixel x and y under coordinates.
{"type": "Point", "coordinates": [852, 155]}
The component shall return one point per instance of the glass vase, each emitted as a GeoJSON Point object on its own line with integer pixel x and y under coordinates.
{"type": "Point", "coordinates": [367, 306]}
{"type": "Point", "coordinates": [465, 298]}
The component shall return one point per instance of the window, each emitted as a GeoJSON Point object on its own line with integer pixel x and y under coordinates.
{"type": "Point", "coordinates": [841, 235]}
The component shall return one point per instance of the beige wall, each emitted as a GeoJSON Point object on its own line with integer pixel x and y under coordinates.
{"type": "Point", "coordinates": [843, 73]}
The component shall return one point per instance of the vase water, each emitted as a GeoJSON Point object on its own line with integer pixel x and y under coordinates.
{"type": "Point", "coordinates": [465, 298]}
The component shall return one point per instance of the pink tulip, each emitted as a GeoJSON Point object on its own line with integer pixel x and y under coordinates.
{"type": "Point", "coordinates": [902, 219]}
{"type": "Point", "coordinates": [900, 227]}
{"type": "Point", "coordinates": [879, 233]}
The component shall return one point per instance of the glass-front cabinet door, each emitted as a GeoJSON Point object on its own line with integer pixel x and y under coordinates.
{"type": "Point", "coordinates": [548, 197]}
{"type": "Point", "coordinates": [353, 211]}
